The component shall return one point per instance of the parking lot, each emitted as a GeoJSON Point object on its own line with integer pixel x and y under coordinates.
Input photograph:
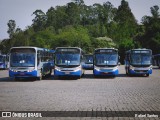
{"type": "Point", "coordinates": [121, 93]}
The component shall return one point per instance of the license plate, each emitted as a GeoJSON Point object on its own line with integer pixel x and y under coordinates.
{"type": "Point", "coordinates": [67, 73]}
{"type": "Point", "coordinates": [22, 73]}
{"type": "Point", "coordinates": [104, 72]}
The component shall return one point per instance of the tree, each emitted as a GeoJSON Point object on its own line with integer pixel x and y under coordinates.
{"type": "Point", "coordinates": [11, 28]}
{"type": "Point", "coordinates": [51, 18]}
{"type": "Point", "coordinates": [127, 24]}
{"type": "Point", "coordinates": [73, 14]}
{"type": "Point", "coordinates": [39, 21]}
{"type": "Point", "coordinates": [155, 12]}
{"type": "Point", "coordinates": [151, 37]}
{"type": "Point", "coordinates": [61, 17]}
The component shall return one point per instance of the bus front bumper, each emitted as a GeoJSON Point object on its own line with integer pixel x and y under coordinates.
{"type": "Point", "coordinates": [21, 74]}
{"type": "Point", "coordinates": [139, 72]}
{"type": "Point", "coordinates": [67, 73]}
{"type": "Point", "coordinates": [106, 72]}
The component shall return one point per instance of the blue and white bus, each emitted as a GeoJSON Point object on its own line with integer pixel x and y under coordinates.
{"type": "Point", "coordinates": [68, 62]}
{"type": "Point", "coordinates": [88, 62]}
{"type": "Point", "coordinates": [4, 61]}
{"type": "Point", "coordinates": [29, 62]}
{"type": "Point", "coordinates": [138, 62]}
{"type": "Point", "coordinates": [106, 62]}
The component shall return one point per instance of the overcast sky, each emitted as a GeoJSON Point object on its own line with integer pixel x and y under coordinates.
{"type": "Point", "coordinates": [21, 10]}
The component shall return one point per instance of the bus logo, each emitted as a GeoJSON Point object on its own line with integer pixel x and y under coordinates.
{"type": "Point", "coordinates": [6, 114]}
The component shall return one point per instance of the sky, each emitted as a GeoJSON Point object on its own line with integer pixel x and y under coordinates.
{"type": "Point", "coordinates": [21, 10]}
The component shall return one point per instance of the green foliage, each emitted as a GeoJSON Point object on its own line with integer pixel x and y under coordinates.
{"type": "Point", "coordinates": [43, 39]}
{"type": "Point", "coordinates": [39, 21]}
{"type": "Point", "coordinates": [11, 27]}
{"type": "Point", "coordinates": [126, 22]}
{"type": "Point", "coordinates": [151, 37]}
{"type": "Point", "coordinates": [105, 42]}
{"type": "Point", "coordinates": [73, 36]}
{"type": "Point", "coordinates": [88, 27]}
{"type": "Point", "coordinates": [125, 45]}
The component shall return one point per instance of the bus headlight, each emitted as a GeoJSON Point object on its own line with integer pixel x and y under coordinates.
{"type": "Point", "coordinates": [30, 70]}
{"type": "Point", "coordinates": [115, 68]}
{"type": "Point", "coordinates": [131, 67]}
{"type": "Point", "coordinates": [97, 68]}
{"type": "Point", "coordinates": [78, 68]}
{"type": "Point", "coordinates": [57, 68]}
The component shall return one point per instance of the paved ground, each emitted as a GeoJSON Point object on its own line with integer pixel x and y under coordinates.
{"type": "Point", "coordinates": [121, 93]}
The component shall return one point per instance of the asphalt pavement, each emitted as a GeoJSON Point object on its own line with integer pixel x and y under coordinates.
{"type": "Point", "coordinates": [89, 94]}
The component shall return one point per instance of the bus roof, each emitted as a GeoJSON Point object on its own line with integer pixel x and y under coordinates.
{"type": "Point", "coordinates": [37, 48]}
{"type": "Point", "coordinates": [68, 47]}
{"type": "Point", "coordinates": [106, 48]}
{"type": "Point", "coordinates": [138, 49]}
{"type": "Point", "coordinates": [88, 54]}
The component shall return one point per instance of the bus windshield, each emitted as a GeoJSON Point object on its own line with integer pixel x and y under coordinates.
{"type": "Point", "coordinates": [67, 59]}
{"type": "Point", "coordinates": [88, 59]}
{"type": "Point", "coordinates": [141, 59]}
{"type": "Point", "coordinates": [22, 58]}
{"type": "Point", "coordinates": [106, 59]}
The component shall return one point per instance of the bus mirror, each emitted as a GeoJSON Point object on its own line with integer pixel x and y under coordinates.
{"type": "Point", "coordinates": [119, 63]}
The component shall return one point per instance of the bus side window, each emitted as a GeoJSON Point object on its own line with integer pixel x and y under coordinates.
{"type": "Point", "coordinates": [38, 58]}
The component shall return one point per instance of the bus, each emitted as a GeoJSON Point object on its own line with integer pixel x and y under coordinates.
{"type": "Point", "coordinates": [29, 62]}
{"type": "Point", "coordinates": [105, 62]}
{"type": "Point", "coordinates": [68, 62]}
{"type": "Point", "coordinates": [4, 61]}
{"type": "Point", "coordinates": [88, 61]}
{"type": "Point", "coordinates": [138, 62]}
